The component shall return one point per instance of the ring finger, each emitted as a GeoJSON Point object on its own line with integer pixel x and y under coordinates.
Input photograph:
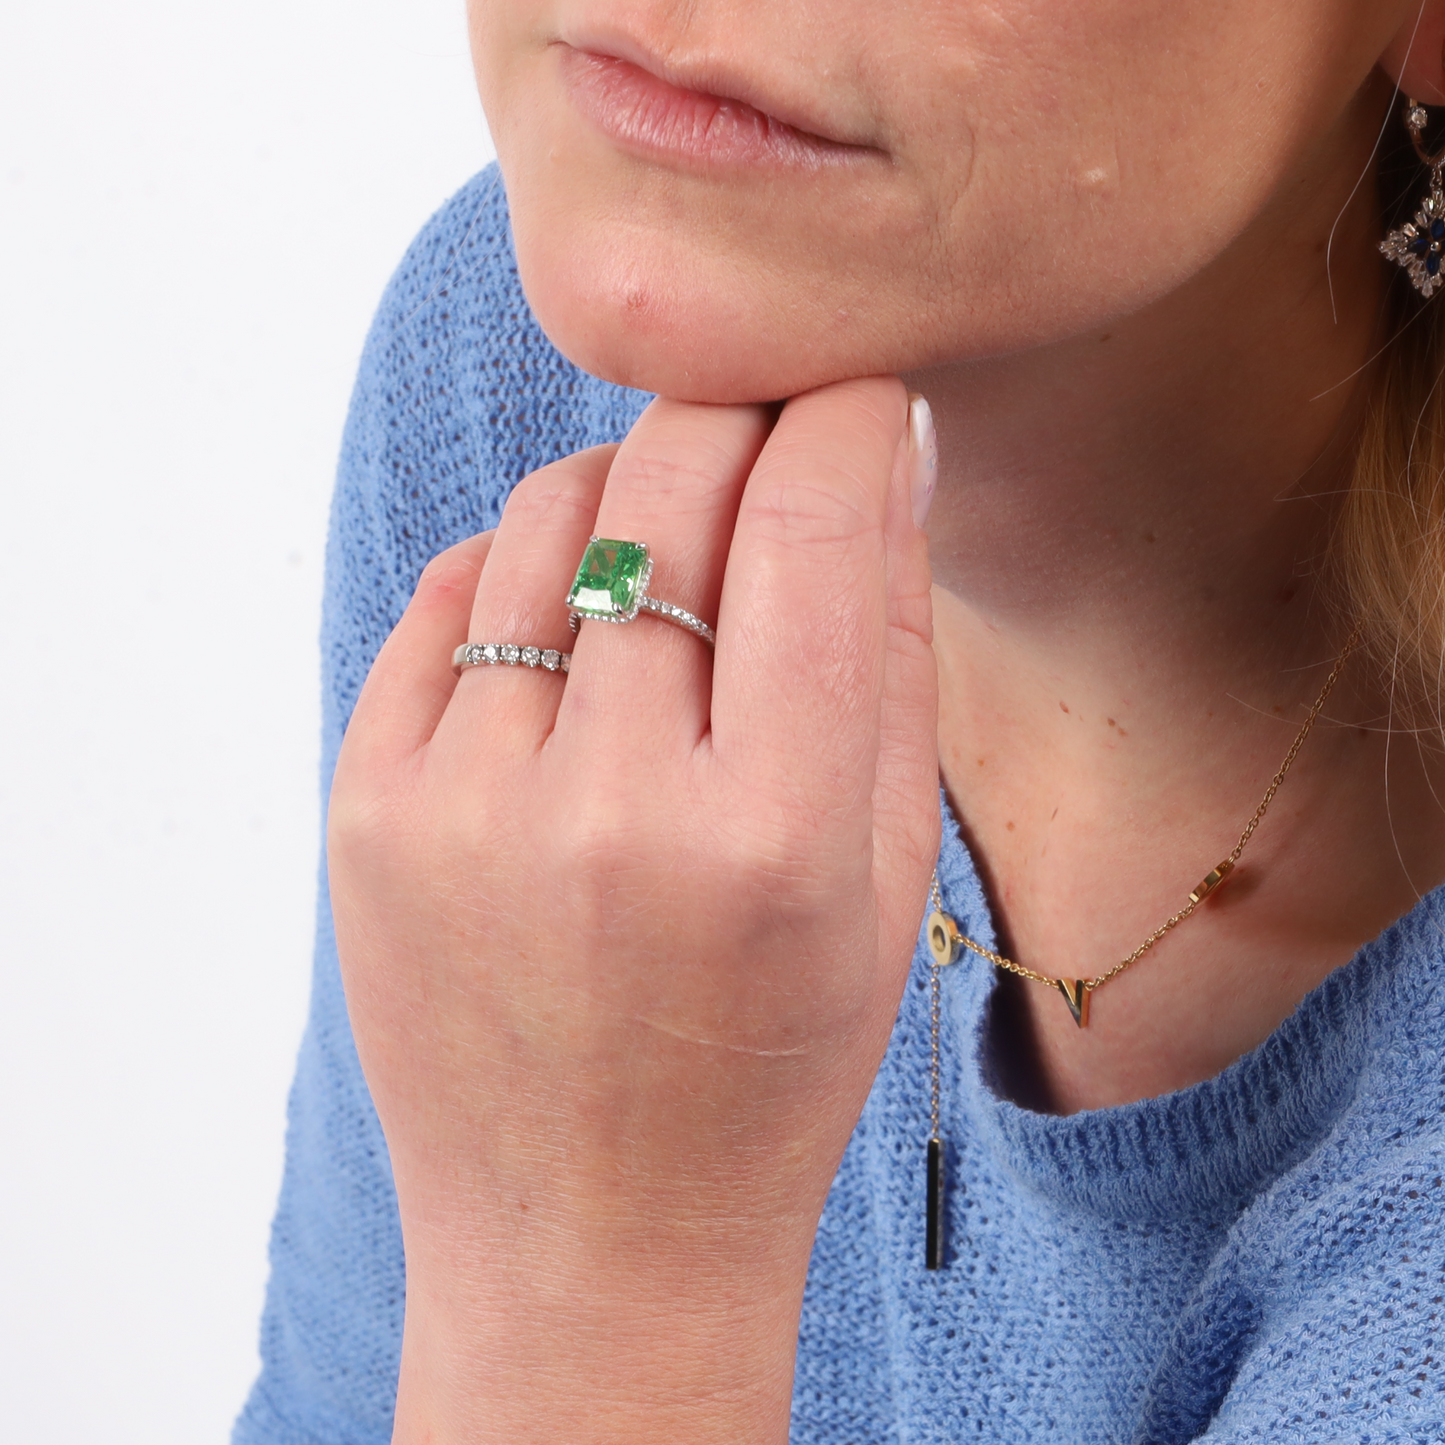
{"type": "Point", "coordinates": [519, 603]}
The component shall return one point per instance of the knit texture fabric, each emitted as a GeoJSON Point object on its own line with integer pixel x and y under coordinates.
{"type": "Point", "coordinates": [1258, 1258]}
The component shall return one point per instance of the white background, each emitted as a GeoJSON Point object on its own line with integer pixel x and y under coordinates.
{"type": "Point", "coordinates": [199, 207]}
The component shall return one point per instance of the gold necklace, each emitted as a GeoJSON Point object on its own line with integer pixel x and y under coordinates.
{"type": "Point", "coordinates": [946, 943]}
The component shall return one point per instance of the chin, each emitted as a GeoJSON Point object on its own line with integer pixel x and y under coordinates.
{"type": "Point", "coordinates": [689, 307]}
{"type": "Point", "coordinates": [731, 284]}
{"type": "Point", "coordinates": [691, 344]}
{"type": "Point", "coordinates": [670, 315]}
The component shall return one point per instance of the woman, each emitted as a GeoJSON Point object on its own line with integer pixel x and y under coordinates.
{"type": "Point", "coordinates": [624, 946]}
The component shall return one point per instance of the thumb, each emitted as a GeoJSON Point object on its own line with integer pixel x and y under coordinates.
{"type": "Point", "coordinates": [905, 794]}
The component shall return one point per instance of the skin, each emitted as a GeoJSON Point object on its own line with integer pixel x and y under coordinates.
{"type": "Point", "coordinates": [619, 1003]}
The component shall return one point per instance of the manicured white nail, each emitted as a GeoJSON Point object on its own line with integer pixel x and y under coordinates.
{"type": "Point", "coordinates": [922, 456]}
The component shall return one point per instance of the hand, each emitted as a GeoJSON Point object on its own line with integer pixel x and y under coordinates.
{"type": "Point", "coordinates": [623, 949]}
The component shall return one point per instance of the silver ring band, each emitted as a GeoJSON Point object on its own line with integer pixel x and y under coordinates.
{"type": "Point", "coordinates": [611, 586]}
{"type": "Point", "coordinates": [510, 654]}
{"type": "Point", "coordinates": [666, 610]}
{"type": "Point", "coordinates": [682, 617]}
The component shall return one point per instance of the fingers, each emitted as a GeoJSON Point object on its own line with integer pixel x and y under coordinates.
{"type": "Point", "coordinates": [411, 681]}
{"type": "Point", "coordinates": [675, 485]}
{"type": "Point", "coordinates": [521, 599]}
{"type": "Point", "coordinates": [804, 628]}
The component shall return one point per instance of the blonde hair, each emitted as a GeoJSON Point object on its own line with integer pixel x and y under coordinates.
{"type": "Point", "coordinates": [1389, 546]}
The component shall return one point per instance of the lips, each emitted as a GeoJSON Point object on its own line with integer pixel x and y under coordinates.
{"type": "Point", "coordinates": [653, 117]}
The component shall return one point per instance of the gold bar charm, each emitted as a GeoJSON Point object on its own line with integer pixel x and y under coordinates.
{"type": "Point", "coordinates": [1211, 881]}
{"type": "Point", "coordinates": [1076, 995]}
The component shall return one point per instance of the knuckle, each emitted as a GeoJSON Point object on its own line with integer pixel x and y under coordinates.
{"type": "Point", "coordinates": [803, 510]}
{"type": "Point", "coordinates": [364, 820]}
{"type": "Point", "coordinates": [554, 499]}
{"type": "Point", "coordinates": [605, 865]}
{"type": "Point", "coordinates": [402, 827]}
{"type": "Point", "coordinates": [773, 842]}
{"type": "Point", "coordinates": [838, 680]}
{"type": "Point", "coordinates": [457, 566]}
{"type": "Point", "coordinates": [603, 833]}
{"type": "Point", "coordinates": [674, 481]}
{"type": "Point", "coordinates": [910, 615]}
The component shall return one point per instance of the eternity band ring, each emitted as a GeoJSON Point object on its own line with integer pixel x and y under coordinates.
{"type": "Point", "coordinates": [510, 654]}
{"type": "Point", "coordinates": [611, 586]}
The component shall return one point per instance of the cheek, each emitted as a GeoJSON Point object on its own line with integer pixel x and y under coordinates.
{"type": "Point", "coordinates": [1121, 146]}
{"type": "Point", "coordinates": [1116, 149]}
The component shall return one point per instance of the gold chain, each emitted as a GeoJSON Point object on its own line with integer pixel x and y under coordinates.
{"type": "Point", "coordinates": [945, 942]}
{"type": "Point", "coordinates": [1201, 891]}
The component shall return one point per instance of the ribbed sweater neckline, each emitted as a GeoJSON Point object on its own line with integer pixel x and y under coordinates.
{"type": "Point", "coordinates": [1200, 1154]}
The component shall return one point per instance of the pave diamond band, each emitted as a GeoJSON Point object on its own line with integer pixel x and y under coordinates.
{"type": "Point", "coordinates": [666, 610]}
{"type": "Point", "coordinates": [682, 617]}
{"type": "Point", "coordinates": [510, 654]}
{"type": "Point", "coordinates": [611, 586]}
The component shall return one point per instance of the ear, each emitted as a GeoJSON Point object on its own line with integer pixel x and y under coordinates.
{"type": "Point", "coordinates": [1415, 58]}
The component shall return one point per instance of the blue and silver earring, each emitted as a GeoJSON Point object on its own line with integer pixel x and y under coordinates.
{"type": "Point", "coordinates": [1419, 245]}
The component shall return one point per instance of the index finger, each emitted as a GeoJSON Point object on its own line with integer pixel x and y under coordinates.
{"type": "Point", "coordinates": [803, 622]}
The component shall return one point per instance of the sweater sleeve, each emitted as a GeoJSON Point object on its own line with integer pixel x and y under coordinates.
{"type": "Point", "coordinates": [458, 396]}
{"type": "Point", "coordinates": [1347, 1345]}
{"type": "Point", "coordinates": [1319, 1322]}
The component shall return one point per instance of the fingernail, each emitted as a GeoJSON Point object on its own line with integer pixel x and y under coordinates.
{"type": "Point", "coordinates": [922, 456]}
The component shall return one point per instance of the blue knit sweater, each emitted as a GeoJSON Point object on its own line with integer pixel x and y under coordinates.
{"type": "Point", "coordinates": [1257, 1258]}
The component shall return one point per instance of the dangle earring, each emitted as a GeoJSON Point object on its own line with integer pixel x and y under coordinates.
{"type": "Point", "coordinates": [1419, 245]}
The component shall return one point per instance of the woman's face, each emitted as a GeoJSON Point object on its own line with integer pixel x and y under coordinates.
{"type": "Point", "coordinates": [883, 187]}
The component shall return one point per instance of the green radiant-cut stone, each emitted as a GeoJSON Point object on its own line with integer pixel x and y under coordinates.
{"type": "Point", "coordinates": [610, 578]}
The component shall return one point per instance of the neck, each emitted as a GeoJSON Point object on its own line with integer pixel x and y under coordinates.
{"type": "Point", "coordinates": [1131, 623]}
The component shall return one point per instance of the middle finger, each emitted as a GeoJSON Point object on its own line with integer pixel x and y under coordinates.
{"type": "Point", "coordinates": [675, 485]}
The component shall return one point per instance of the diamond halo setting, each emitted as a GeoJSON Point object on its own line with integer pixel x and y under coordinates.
{"type": "Point", "coordinates": [611, 586]}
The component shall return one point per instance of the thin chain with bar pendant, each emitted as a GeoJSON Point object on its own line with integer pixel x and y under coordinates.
{"type": "Point", "coordinates": [946, 942]}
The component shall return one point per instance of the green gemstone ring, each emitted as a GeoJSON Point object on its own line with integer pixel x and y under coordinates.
{"type": "Point", "coordinates": [611, 586]}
